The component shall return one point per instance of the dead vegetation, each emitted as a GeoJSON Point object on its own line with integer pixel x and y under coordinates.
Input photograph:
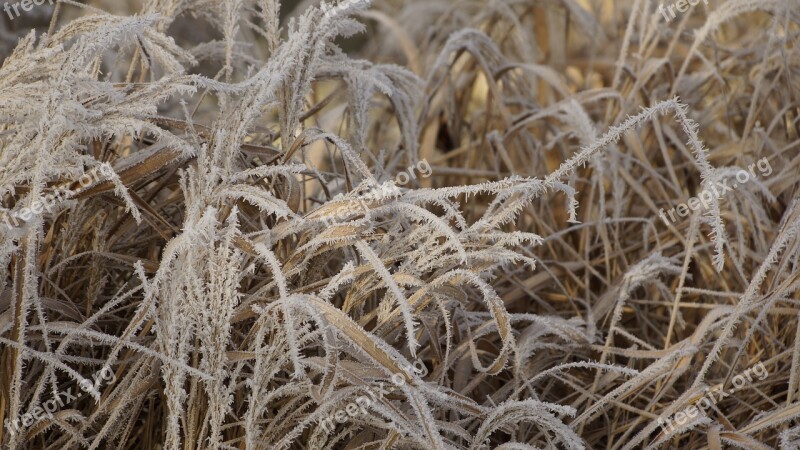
{"type": "Point", "coordinates": [230, 277]}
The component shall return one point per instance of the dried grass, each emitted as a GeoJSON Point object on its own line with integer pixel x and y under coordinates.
{"type": "Point", "coordinates": [249, 268]}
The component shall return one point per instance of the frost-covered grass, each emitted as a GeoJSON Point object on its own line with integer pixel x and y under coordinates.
{"type": "Point", "coordinates": [250, 266]}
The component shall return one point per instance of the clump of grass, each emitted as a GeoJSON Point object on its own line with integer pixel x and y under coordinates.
{"type": "Point", "coordinates": [247, 268]}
